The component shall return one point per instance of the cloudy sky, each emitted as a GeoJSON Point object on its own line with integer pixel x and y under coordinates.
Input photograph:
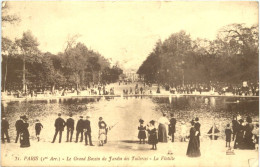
{"type": "Point", "coordinates": [123, 31]}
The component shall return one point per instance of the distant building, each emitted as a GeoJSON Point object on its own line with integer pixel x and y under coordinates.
{"type": "Point", "coordinates": [131, 75]}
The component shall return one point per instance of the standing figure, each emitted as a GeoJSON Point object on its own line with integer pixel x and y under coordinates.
{"type": "Point", "coordinates": [228, 133]}
{"type": "Point", "coordinates": [70, 128]}
{"type": "Point", "coordinates": [79, 129]}
{"type": "Point", "coordinates": [152, 135]}
{"type": "Point", "coordinates": [248, 134]}
{"type": "Point", "coordinates": [18, 125]}
{"type": "Point", "coordinates": [235, 125]}
{"type": "Point", "coordinates": [59, 127]}
{"type": "Point", "coordinates": [102, 131]}
{"type": "Point", "coordinates": [4, 130]}
{"type": "Point", "coordinates": [172, 128]}
{"type": "Point", "coordinates": [183, 131]}
{"type": "Point", "coordinates": [162, 132]}
{"type": "Point", "coordinates": [38, 128]}
{"type": "Point", "coordinates": [24, 137]}
{"type": "Point", "coordinates": [141, 133]}
{"type": "Point", "coordinates": [193, 146]}
{"type": "Point", "coordinates": [87, 129]}
{"type": "Point", "coordinates": [197, 127]}
{"type": "Point", "coordinates": [239, 136]}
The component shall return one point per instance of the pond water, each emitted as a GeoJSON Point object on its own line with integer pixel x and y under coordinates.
{"type": "Point", "coordinates": [125, 113]}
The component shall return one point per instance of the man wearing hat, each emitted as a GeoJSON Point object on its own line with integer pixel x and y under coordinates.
{"type": "Point", "coordinates": [172, 128]}
{"type": "Point", "coordinates": [4, 130]}
{"type": "Point", "coordinates": [87, 129]}
{"type": "Point", "coordinates": [197, 127]}
{"type": "Point", "coordinates": [79, 129]}
{"type": "Point", "coordinates": [59, 127]}
{"type": "Point", "coordinates": [70, 128]}
{"type": "Point", "coordinates": [18, 125]}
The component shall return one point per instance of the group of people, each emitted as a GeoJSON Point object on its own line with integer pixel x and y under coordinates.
{"type": "Point", "coordinates": [145, 90]}
{"type": "Point", "coordinates": [21, 128]}
{"type": "Point", "coordinates": [160, 134]}
{"type": "Point", "coordinates": [83, 128]}
{"type": "Point", "coordinates": [220, 88]}
{"type": "Point", "coordinates": [245, 133]}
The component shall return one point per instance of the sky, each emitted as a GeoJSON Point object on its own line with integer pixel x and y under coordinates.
{"type": "Point", "coordinates": [123, 31]}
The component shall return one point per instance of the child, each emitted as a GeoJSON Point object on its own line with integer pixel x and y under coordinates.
{"type": "Point", "coordinates": [38, 128]}
{"type": "Point", "coordinates": [228, 133]}
{"type": "Point", "coordinates": [142, 134]}
{"type": "Point", "coordinates": [102, 131]}
{"type": "Point", "coordinates": [183, 131]}
{"type": "Point", "coordinates": [153, 140]}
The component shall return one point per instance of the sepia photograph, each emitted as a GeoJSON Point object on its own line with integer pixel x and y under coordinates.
{"type": "Point", "coordinates": [130, 83]}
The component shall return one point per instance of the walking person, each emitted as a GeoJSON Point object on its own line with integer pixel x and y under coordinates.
{"type": "Point", "coordinates": [162, 132]}
{"type": "Point", "coordinates": [228, 133]}
{"type": "Point", "coordinates": [197, 127]}
{"type": "Point", "coordinates": [153, 140]}
{"type": "Point", "coordinates": [79, 129]}
{"type": "Point", "coordinates": [25, 135]}
{"type": "Point", "coordinates": [18, 125]}
{"type": "Point", "coordinates": [38, 128]}
{"type": "Point", "coordinates": [4, 130]}
{"type": "Point", "coordinates": [59, 127]}
{"type": "Point", "coordinates": [87, 129]}
{"type": "Point", "coordinates": [70, 128]}
{"type": "Point", "coordinates": [141, 133]}
{"type": "Point", "coordinates": [193, 146]}
{"type": "Point", "coordinates": [172, 128]}
{"type": "Point", "coordinates": [102, 131]}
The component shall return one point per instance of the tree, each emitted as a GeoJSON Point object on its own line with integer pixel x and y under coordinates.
{"type": "Point", "coordinates": [6, 17]}
{"type": "Point", "coordinates": [28, 47]}
{"type": "Point", "coordinates": [8, 49]}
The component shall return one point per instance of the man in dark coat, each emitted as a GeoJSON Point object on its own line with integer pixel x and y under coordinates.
{"type": "Point", "coordinates": [235, 126]}
{"type": "Point", "coordinates": [70, 128]}
{"type": "Point", "coordinates": [59, 127]}
{"type": "Point", "coordinates": [87, 129]}
{"type": "Point", "coordinates": [4, 130]}
{"type": "Point", "coordinates": [172, 128]}
{"type": "Point", "coordinates": [79, 129]}
{"type": "Point", "coordinates": [18, 125]}
{"type": "Point", "coordinates": [197, 127]}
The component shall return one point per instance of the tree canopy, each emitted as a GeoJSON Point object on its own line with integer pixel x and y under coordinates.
{"type": "Point", "coordinates": [232, 57]}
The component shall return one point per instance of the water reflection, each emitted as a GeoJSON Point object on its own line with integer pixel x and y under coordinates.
{"type": "Point", "coordinates": [128, 110]}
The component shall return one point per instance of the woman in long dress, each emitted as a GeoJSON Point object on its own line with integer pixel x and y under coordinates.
{"type": "Point", "coordinates": [24, 137]}
{"type": "Point", "coordinates": [248, 134]}
{"type": "Point", "coordinates": [239, 143]}
{"type": "Point", "coordinates": [162, 131]}
{"type": "Point", "coordinates": [193, 146]}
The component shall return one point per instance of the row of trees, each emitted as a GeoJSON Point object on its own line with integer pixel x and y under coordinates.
{"type": "Point", "coordinates": [232, 57]}
{"type": "Point", "coordinates": [24, 64]}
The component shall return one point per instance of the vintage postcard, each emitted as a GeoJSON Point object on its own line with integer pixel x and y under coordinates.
{"type": "Point", "coordinates": [130, 83]}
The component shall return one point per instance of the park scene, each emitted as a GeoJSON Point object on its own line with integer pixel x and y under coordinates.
{"type": "Point", "coordinates": [129, 83]}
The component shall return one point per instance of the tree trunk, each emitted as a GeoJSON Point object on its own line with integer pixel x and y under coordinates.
{"type": "Point", "coordinates": [24, 83]}
{"type": "Point", "coordinates": [5, 73]}
{"type": "Point", "coordinates": [53, 88]}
